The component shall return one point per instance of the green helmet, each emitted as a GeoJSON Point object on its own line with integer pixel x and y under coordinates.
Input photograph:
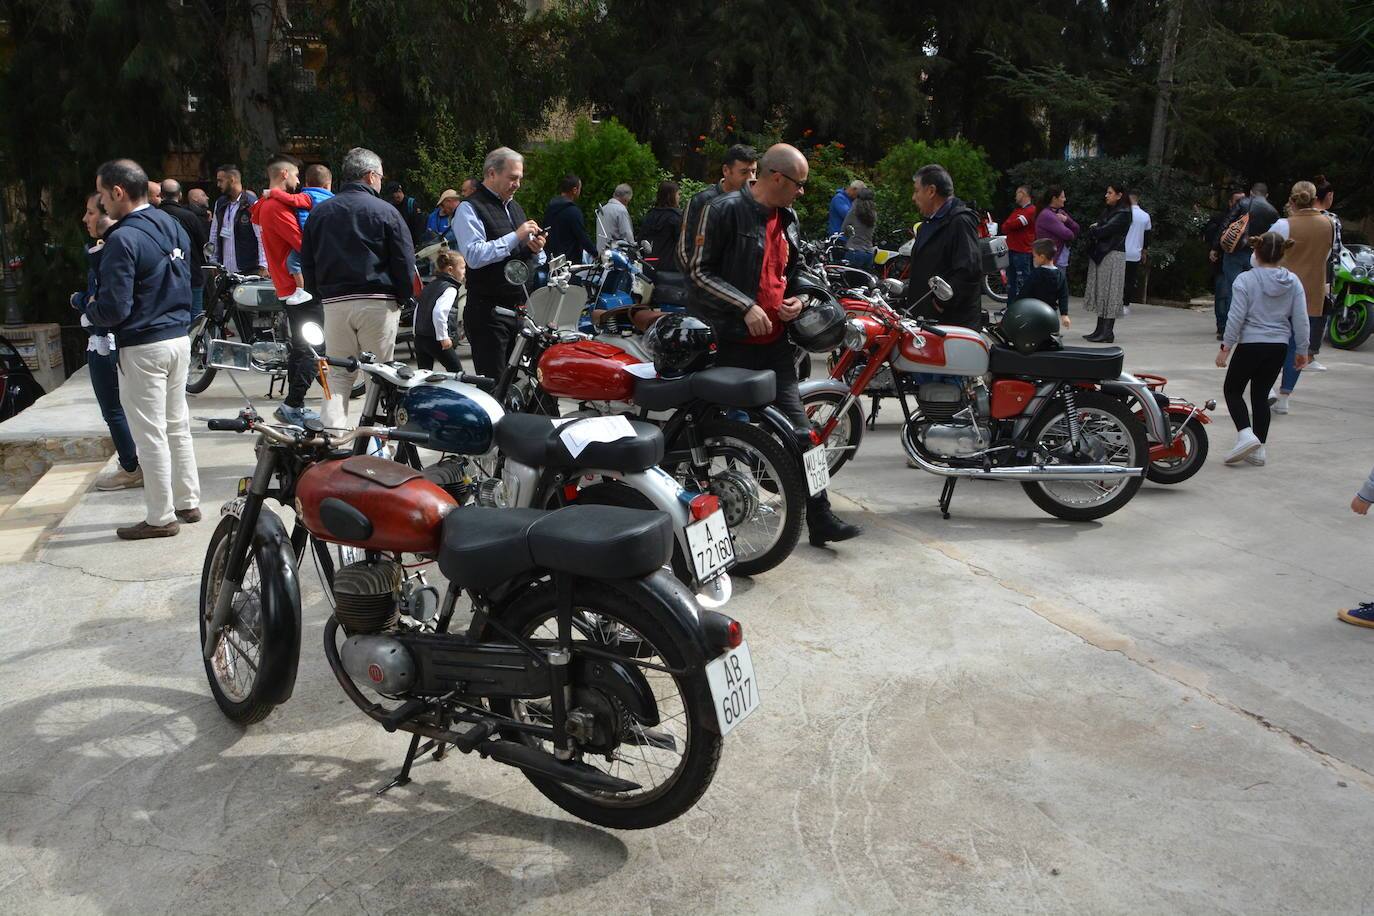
{"type": "Point", "coordinates": [1029, 324]}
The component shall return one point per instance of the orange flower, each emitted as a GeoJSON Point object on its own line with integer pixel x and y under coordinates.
{"type": "Point", "coordinates": [839, 144]}
{"type": "Point", "coordinates": [808, 132]}
{"type": "Point", "coordinates": [701, 136]}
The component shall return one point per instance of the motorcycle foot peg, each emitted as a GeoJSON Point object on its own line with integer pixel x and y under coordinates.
{"type": "Point", "coordinates": [402, 714]}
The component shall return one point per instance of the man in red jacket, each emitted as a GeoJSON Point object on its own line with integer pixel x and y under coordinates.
{"type": "Point", "coordinates": [1019, 227]}
{"type": "Point", "coordinates": [275, 214]}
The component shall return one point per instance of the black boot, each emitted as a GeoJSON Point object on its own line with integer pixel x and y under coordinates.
{"type": "Point", "coordinates": [1108, 331]}
{"type": "Point", "coordinates": [1096, 335]}
{"type": "Point", "coordinates": [823, 525]}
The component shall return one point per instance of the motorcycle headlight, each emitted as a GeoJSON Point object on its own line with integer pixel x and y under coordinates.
{"type": "Point", "coordinates": [1359, 273]}
{"type": "Point", "coordinates": [855, 338]}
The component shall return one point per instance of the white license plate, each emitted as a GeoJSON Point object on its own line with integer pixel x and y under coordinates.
{"type": "Point", "coordinates": [713, 551]}
{"type": "Point", "coordinates": [817, 467]}
{"type": "Point", "coordinates": [734, 688]}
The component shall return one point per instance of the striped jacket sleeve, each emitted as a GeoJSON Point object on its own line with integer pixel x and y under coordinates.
{"type": "Point", "coordinates": [712, 237]}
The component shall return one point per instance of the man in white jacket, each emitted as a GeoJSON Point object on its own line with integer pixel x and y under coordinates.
{"type": "Point", "coordinates": [613, 219]}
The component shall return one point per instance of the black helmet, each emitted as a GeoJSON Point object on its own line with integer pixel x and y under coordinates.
{"type": "Point", "coordinates": [820, 326]}
{"type": "Point", "coordinates": [679, 344]}
{"type": "Point", "coordinates": [1029, 324]}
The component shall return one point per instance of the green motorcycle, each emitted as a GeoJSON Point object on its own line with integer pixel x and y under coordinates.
{"type": "Point", "coordinates": [1353, 292]}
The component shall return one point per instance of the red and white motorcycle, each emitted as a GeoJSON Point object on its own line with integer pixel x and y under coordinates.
{"type": "Point", "coordinates": [973, 407]}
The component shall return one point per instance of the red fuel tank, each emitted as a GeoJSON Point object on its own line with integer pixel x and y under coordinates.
{"type": "Point", "coordinates": [374, 503]}
{"type": "Point", "coordinates": [587, 370]}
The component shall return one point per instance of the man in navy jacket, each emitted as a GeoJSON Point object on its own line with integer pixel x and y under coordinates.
{"type": "Point", "coordinates": [144, 297]}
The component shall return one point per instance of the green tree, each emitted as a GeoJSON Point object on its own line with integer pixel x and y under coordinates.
{"type": "Point", "coordinates": [603, 155]}
{"type": "Point", "coordinates": [974, 178]}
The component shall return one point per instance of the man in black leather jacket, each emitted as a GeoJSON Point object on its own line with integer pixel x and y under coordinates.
{"type": "Point", "coordinates": [946, 246]}
{"type": "Point", "coordinates": [743, 256]}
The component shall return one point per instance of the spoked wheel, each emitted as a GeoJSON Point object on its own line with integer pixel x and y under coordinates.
{"type": "Point", "coordinates": [1179, 469]}
{"type": "Point", "coordinates": [1350, 326]}
{"type": "Point", "coordinates": [1110, 435]}
{"type": "Point", "coordinates": [673, 757]}
{"type": "Point", "coordinates": [235, 667]}
{"type": "Point", "coordinates": [199, 372]}
{"type": "Point", "coordinates": [995, 285]}
{"type": "Point", "coordinates": [844, 439]}
{"type": "Point", "coordinates": [761, 490]}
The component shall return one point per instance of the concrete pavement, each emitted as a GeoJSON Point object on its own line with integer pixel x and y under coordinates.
{"type": "Point", "coordinates": [997, 713]}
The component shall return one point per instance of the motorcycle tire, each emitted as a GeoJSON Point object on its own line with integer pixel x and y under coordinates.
{"type": "Point", "coordinates": [199, 373]}
{"type": "Point", "coordinates": [1177, 470]}
{"type": "Point", "coordinates": [1090, 401]}
{"type": "Point", "coordinates": [897, 268]}
{"type": "Point", "coordinates": [535, 611]}
{"type": "Point", "coordinates": [853, 423]}
{"type": "Point", "coordinates": [729, 440]}
{"type": "Point", "coordinates": [240, 702]}
{"type": "Point", "coordinates": [1353, 332]}
{"type": "Point", "coordinates": [995, 286]}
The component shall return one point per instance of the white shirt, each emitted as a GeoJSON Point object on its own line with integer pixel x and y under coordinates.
{"type": "Point", "coordinates": [225, 246]}
{"type": "Point", "coordinates": [442, 307]}
{"type": "Point", "coordinates": [1135, 236]}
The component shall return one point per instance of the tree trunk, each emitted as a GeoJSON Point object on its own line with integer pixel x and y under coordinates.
{"type": "Point", "coordinates": [247, 54]}
{"type": "Point", "coordinates": [1165, 84]}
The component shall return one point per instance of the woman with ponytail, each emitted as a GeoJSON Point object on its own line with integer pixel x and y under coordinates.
{"type": "Point", "coordinates": [1268, 309]}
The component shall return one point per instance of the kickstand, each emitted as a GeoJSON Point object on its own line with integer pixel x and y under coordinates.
{"type": "Point", "coordinates": [415, 750]}
{"type": "Point", "coordinates": [275, 381]}
{"type": "Point", "coordinates": [947, 495]}
{"type": "Point", "coordinates": [873, 412]}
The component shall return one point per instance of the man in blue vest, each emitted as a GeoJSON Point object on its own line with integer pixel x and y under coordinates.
{"type": "Point", "coordinates": [492, 230]}
{"type": "Point", "coordinates": [144, 297]}
{"type": "Point", "coordinates": [234, 241]}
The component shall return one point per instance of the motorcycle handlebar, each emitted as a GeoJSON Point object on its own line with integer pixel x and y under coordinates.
{"type": "Point", "coordinates": [236, 425]}
{"type": "Point", "coordinates": [402, 435]}
{"type": "Point", "coordinates": [485, 382]}
{"type": "Point", "coordinates": [505, 312]}
{"type": "Point", "coordinates": [349, 363]}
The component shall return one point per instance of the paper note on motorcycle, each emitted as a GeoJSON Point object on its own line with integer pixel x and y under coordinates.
{"type": "Point", "coordinates": [817, 467]}
{"type": "Point", "coordinates": [734, 687]}
{"type": "Point", "coordinates": [577, 436]}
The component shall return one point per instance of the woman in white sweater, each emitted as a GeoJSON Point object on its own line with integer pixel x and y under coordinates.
{"type": "Point", "coordinates": [1268, 306]}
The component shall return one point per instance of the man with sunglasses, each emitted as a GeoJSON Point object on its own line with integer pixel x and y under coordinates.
{"type": "Point", "coordinates": [742, 257]}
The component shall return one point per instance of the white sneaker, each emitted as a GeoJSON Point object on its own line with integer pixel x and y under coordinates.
{"type": "Point", "coordinates": [298, 297]}
{"type": "Point", "coordinates": [1246, 442]}
{"type": "Point", "coordinates": [1314, 366]}
{"type": "Point", "coordinates": [1273, 396]}
{"type": "Point", "coordinates": [120, 479]}
{"type": "Point", "coordinates": [1257, 457]}
{"type": "Point", "coordinates": [1280, 404]}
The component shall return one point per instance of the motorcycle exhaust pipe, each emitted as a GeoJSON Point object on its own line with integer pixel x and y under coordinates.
{"type": "Point", "coordinates": [1056, 472]}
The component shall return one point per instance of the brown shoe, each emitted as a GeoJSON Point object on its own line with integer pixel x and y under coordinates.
{"type": "Point", "coordinates": [120, 479]}
{"type": "Point", "coordinates": [189, 516]}
{"type": "Point", "coordinates": [143, 530]}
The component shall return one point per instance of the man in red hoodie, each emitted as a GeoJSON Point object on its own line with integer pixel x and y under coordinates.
{"type": "Point", "coordinates": [275, 213]}
{"type": "Point", "coordinates": [1019, 227]}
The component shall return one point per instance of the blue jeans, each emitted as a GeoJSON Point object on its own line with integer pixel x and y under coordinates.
{"type": "Point", "coordinates": [1221, 300]}
{"type": "Point", "coordinates": [1019, 266]}
{"type": "Point", "coordinates": [105, 382]}
{"type": "Point", "coordinates": [1316, 327]}
{"type": "Point", "coordinates": [856, 257]}
{"type": "Point", "coordinates": [293, 262]}
{"type": "Point", "coordinates": [197, 301]}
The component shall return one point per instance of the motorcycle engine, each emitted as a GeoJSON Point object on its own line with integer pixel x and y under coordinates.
{"type": "Point", "coordinates": [367, 596]}
{"type": "Point", "coordinates": [949, 425]}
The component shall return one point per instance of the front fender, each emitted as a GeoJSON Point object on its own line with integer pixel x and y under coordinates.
{"type": "Point", "coordinates": [776, 422]}
{"type": "Point", "coordinates": [816, 385]}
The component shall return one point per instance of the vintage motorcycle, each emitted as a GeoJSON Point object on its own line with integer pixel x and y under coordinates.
{"type": "Point", "coordinates": [707, 417]}
{"type": "Point", "coordinates": [585, 664]}
{"type": "Point", "coordinates": [1054, 420]}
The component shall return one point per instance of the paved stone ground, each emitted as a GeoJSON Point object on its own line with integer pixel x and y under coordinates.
{"type": "Point", "coordinates": [997, 713]}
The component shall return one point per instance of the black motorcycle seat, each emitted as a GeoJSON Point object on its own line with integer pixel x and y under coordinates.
{"type": "Point", "coordinates": [722, 385]}
{"type": "Point", "coordinates": [536, 441]}
{"type": "Point", "coordinates": [1069, 364]}
{"type": "Point", "coordinates": [483, 547]}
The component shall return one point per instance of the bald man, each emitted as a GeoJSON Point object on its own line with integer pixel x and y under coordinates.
{"type": "Point", "coordinates": [197, 230]}
{"type": "Point", "coordinates": [742, 259]}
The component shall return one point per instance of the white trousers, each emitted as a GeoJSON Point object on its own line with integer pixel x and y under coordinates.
{"type": "Point", "coordinates": [152, 391]}
{"type": "Point", "coordinates": [352, 327]}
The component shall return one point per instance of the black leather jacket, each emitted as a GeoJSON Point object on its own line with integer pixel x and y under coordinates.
{"type": "Point", "coordinates": [727, 257]}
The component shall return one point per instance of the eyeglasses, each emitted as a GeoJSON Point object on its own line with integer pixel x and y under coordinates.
{"type": "Point", "coordinates": [801, 185]}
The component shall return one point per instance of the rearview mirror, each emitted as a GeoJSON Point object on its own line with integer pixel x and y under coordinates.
{"type": "Point", "coordinates": [312, 334]}
{"type": "Point", "coordinates": [208, 251]}
{"type": "Point", "coordinates": [222, 354]}
{"type": "Point", "coordinates": [517, 273]}
{"type": "Point", "coordinates": [942, 290]}
{"type": "Point", "coordinates": [645, 246]}
{"type": "Point", "coordinates": [894, 288]}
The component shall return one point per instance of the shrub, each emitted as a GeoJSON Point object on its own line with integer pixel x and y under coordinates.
{"type": "Point", "coordinates": [974, 178]}
{"type": "Point", "coordinates": [603, 155]}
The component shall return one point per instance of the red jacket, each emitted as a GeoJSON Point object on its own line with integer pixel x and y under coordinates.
{"type": "Point", "coordinates": [1019, 227]}
{"type": "Point", "coordinates": [275, 212]}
